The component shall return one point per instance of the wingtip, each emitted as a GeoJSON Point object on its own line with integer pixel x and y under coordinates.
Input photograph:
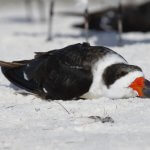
{"type": "Point", "coordinates": [10, 64]}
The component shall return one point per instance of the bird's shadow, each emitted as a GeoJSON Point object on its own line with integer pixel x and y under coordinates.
{"type": "Point", "coordinates": [97, 37]}
{"type": "Point", "coordinates": [103, 38]}
{"type": "Point", "coordinates": [17, 19]}
{"type": "Point", "coordinates": [29, 34]}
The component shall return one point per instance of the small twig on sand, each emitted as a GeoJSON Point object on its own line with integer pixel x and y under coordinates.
{"type": "Point", "coordinates": [63, 107]}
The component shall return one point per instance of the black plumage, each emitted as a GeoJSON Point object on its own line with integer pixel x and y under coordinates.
{"type": "Point", "coordinates": [57, 74]}
{"type": "Point", "coordinates": [65, 73]}
{"type": "Point", "coordinates": [134, 18]}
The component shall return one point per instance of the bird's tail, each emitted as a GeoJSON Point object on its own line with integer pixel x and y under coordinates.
{"type": "Point", "coordinates": [10, 64]}
{"type": "Point", "coordinates": [15, 73]}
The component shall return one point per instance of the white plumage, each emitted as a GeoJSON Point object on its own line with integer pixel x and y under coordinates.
{"type": "Point", "coordinates": [120, 89]}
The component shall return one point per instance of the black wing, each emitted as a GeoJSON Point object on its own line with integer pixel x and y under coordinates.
{"type": "Point", "coordinates": [57, 74]}
{"type": "Point", "coordinates": [62, 74]}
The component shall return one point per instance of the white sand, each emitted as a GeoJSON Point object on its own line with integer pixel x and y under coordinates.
{"type": "Point", "coordinates": [28, 123]}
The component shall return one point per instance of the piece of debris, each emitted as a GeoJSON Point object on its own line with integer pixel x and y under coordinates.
{"type": "Point", "coordinates": [103, 120]}
{"type": "Point", "coordinates": [12, 106]}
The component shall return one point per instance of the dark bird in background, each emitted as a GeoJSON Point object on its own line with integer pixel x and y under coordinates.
{"type": "Point", "coordinates": [78, 71]}
{"type": "Point", "coordinates": [134, 18]}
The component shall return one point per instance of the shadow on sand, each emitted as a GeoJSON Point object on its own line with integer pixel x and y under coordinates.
{"type": "Point", "coordinates": [103, 38]}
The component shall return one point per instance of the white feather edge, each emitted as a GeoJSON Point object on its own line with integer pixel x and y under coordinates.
{"type": "Point", "coordinates": [25, 76]}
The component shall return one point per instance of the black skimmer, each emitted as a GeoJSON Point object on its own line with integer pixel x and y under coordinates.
{"type": "Point", "coordinates": [134, 18]}
{"type": "Point", "coordinates": [78, 71]}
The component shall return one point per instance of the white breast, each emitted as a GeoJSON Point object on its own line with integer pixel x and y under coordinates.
{"type": "Point", "coordinates": [98, 88]}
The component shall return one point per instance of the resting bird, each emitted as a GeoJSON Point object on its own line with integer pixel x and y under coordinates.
{"type": "Point", "coordinates": [78, 71]}
{"type": "Point", "coordinates": [134, 18]}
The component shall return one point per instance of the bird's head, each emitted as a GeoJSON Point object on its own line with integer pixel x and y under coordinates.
{"type": "Point", "coordinates": [123, 81]}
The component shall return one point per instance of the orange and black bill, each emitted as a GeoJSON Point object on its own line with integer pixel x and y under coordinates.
{"type": "Point", "coordinates": [141, 86]}
{"type": "Point", "coordinates": [146, 89]}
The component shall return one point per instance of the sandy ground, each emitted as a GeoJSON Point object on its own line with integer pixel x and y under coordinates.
{"type": "Point", "coordinates": [29, 123]}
